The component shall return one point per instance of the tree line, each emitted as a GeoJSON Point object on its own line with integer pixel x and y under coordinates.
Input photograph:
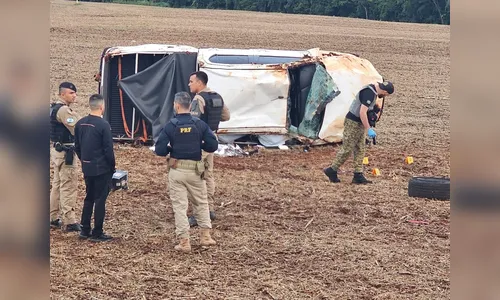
{"type": "Point", "coordinates": [415, 11]}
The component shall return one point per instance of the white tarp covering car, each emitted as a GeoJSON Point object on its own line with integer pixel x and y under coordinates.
{"type": "Point", "coordinates": [272, 94]}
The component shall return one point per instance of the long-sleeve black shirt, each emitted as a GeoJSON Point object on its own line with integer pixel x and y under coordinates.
{"type": "Point", "coordinates": [167, 136]}
{"type": "Point", "coordinates": [94, 146]}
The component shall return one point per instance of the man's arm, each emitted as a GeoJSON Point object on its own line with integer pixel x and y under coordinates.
{"type": "Point", "coordinates": [68, 117]}
{"type": "Point", "coordinates": [225, 115]}
{"type": "Point", "coordinates": [161, 146]}
{"type": "Point", "coordinates": [107, 143]}
{"type": "Point", "coordinates": [210, 143]}
{"type": "Point", "coordinates": [78, 148]}
{"type": "Point", "coordinates": [366, 96]}
{"type": "Point", "coordinates": [197, 106]}
{"type": "Point", "coordinates": [363, 116]}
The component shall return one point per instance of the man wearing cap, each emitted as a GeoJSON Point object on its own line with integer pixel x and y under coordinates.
{"type": "Point", "coordinates": [64, 183]}
{"type": "Point", "coordinates": [356, 126]}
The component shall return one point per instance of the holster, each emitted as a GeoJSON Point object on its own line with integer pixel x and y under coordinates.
{"type": "Point", "coordinates": [69, 156]}
{"type": "Point", "coordinates": [171, 163]}
{"type": "Point", "coordinates": [200, 168]}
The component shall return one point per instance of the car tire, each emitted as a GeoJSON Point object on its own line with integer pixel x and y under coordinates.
{"type": "Point", "coordinates": [429, 187]}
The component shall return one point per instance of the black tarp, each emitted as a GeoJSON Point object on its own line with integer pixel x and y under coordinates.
{"type": "Point", "coordinates": [152, 90]}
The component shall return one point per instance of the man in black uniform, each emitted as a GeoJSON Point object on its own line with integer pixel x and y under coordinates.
{"type": "Point", "coordinates": [184, 137]}
{"type": "Point", "coordinates": [94, 147]}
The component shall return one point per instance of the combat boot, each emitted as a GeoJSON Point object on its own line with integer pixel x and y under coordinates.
{"type": "Point", "coordinates": [332, 174]}
{"type": "Point", "coordinates": [205, 238]}
{"type": "Point", "coordinates": [184, 245]}
{"type": "Point", "coordinates": [359, 178]}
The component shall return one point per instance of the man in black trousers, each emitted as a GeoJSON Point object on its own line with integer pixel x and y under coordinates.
{"type": "Point", "coordinates": [94, 147]}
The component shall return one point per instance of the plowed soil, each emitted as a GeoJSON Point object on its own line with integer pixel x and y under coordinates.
{"type": "Point", "coordinates": [283, 231]}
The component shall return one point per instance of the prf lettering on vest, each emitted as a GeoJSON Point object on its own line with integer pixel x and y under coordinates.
{"type": "Point", "coordinates": [185, 129]}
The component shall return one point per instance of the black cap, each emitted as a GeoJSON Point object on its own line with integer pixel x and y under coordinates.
{"type": "Point", "coordinates": [67, 85]}
{"type": "Point", "coordinates": [387, 86]}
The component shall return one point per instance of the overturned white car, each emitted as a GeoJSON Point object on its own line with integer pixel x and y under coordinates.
{"type": "Point", "coordinates": [273, 95]}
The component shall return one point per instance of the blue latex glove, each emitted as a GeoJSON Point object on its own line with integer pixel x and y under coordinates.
{"type": "Point", "coordinates": [371, 133]}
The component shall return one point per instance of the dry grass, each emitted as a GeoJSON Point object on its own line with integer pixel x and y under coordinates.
{"type": "Point", "coordinates": [358, 245]}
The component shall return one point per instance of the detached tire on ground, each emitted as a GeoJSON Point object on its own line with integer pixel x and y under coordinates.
{"type": "Point", "coordinates": [429, 187]}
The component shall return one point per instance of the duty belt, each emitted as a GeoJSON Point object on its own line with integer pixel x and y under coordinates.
{"type": "Point", "coordinates": [186, 164]}
{"type": "Point", "coordinates": [63, 146]}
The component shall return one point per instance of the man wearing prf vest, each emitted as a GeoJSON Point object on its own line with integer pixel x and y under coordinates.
{"type": "Point", "coordinates": [210, 108]}
{"type": "Point", "coordinates": [356, 126]}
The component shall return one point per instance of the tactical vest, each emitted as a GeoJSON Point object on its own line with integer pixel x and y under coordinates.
{"type": "Point", "coordinates": [58, 132]}
{"type": "Point", "coordinates": [186, 143]}
{"type": "Point", "coordinates": [212, 110]}
{"type": "Point", "coordinates": [356, 104]}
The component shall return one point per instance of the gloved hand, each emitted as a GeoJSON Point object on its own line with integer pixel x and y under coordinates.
{"type": "Point", "coordinates": [371, 133]}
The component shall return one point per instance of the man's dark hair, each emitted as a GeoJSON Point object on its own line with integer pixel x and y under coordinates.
{"type": "Point", "coordinates": [202, 76]}
{"type": "Point", "coordinates": [95, 101]}
{"type": "Point", "coordinates": [183, 98]}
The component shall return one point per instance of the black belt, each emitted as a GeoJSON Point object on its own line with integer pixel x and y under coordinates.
{"type": "Point", "coordinates": [69, 152]}
{"type": "Point", "coordinates": [61, 147]}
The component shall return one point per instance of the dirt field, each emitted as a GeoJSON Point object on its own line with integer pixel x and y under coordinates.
{"type": "Point", "coordinates": [359, 244]}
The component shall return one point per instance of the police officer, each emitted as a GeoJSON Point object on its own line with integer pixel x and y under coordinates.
{"type": "Point", "coordinates": [210, 108]}
{"type": "Point", "coordinates": [94, 147]}
{"type": "Point", "coordinates": [184, 138]}
{"type": "Point", "coordinates": [64, 182]}
{"type": "Point", "coordinates": [356, 126]}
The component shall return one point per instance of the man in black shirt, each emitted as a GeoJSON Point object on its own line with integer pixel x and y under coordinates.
{"type": "Point", "coordinates": [356, 126]}
{"type": "Point", "coordinates": [184, 138]}
{"type": "Point", "coordinates": [94, 147]}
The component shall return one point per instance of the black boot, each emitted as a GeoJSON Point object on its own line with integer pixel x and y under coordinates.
{"type": "Point", "coordinates": [73, 227]}
{"type": "Point", "coordinates": [359, 178]}
{"type": "Point", "coordinates": [192, 221]}
{"type": "Point", "coordinates": [85, 234]}
{"type": "Point", "coordinates": [100, 238]}
{"type": "Point", "coordinates": [332, 174]}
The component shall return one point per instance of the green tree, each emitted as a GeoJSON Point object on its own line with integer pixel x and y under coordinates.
{"type": "Point", "coordinates": [419, 11]}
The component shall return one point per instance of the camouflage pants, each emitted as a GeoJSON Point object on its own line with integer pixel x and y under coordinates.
{"type": "Point", "coordinates": [353, 142]}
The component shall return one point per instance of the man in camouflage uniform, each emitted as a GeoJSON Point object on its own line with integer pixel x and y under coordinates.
{"type": "Point", "coordinates": [64, 184]}
{"type": "Point", "coordinates": [356, 126]}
